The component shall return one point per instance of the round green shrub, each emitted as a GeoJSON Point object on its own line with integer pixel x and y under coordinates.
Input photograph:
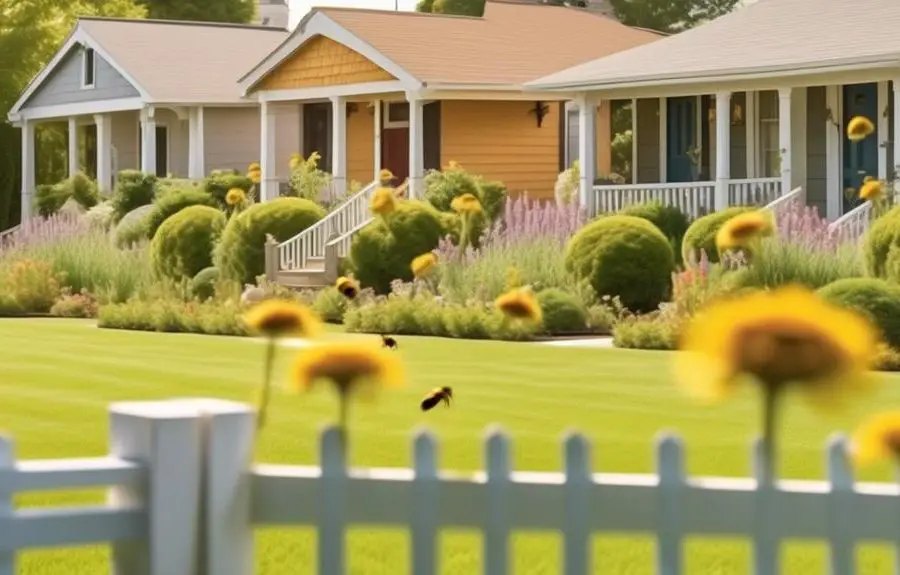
{"type": "Point", "coordinates": [701, 235]}
{"type": "Point", "coordinates": [878, 243]}
{"type": "Point", "coordinates": [382, 253]}
{"type": "Point", "coordinates": [670, 220]}
{"type": "Point", "coordinates": [203, 285]}
{"type": "Point", "coordinates": [220, 181]}
{"type": "Point", "coordinates": [84, 190]}
{"type": "Point", "coordinates": [133, 190]}
{"type": "Point", "coordinates": [877, 299]}
{"type": "Point", "coordinates": [563, 312]}
{"type": "Point", "coordinates": [623, 256]}
{"type": "Point", "coordinates": [241, 255]}
{"type": "Point", "coordinates": [183, 244]}
{"type": "Point", "coordinates": [174, 202]}
{"type": "Point", "coordinates": [132, 228]}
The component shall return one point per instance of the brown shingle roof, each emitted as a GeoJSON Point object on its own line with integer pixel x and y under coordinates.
{"type": "Point", "coordinates": [187, 62]}
{"type": "Point", "coordinates": [511, 44]}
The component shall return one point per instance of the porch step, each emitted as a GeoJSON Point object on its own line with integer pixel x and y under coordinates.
{"type": "Point", "coordinates": [315, 263]}
{"type": "Point", "coordinates": [305, 278]}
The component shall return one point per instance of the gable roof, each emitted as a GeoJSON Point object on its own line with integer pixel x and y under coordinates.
{"type": "Point", "coordinates": [769, 36]}
{"type": "Point", "coordinates": [510, 44]}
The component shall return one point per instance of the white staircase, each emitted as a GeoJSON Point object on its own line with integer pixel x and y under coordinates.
{"type": "Point", "coordinates": [853, 225]}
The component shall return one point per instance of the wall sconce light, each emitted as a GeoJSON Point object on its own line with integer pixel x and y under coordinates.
{"type": "Point", "coordinates": [737, 115]}
{"type": "Point", "coordinates": [540, 110]}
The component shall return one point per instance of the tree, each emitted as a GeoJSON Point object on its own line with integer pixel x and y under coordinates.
{"type": "Point", "coordinates": [670, 16]}
{"type": "Point", "coordinates": [456, 7]}
{"type": "Point", "coordinates": [235, 11]}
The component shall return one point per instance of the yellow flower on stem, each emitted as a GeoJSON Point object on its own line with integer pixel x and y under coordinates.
{"type": "Point", "coordinates": [295, 160]}
{"type": "Point", "coordinates": [255, 176]}
{"type": "Point", "coordinates": [788, 336]}
{"type": "Point", "coordinates": [423, 265]}
{"type": "Point", "coordinates": [275, 319]}
{"type": "Point", "coordinates": [744, 231]}
{"type": "Point", "coordinates": [877, 439]}
{"type": "Point", "coordinates": [254, 167]}
{"type": "Point", "coordinates": [859, 128]}
{"type": "Point", "coordinates": [235, 196]}
{"type": "Point", "coordinates": [352, 368]}
{"type": "Point", "coordinates": [348, 287]}
{"type": "Point", "coordinates": [871, 190]}
{"type": "Point", "coordinates": [385, 176]}
{"type": "Point", "coordinates": [384, 201]}
{"type": "Point", "coordinates": [520, 304]}
{"type": "Point", "coordinates": [466, 204]}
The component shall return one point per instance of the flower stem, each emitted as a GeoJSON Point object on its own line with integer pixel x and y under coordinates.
{"type": "Point", "coordinates": [771, 395]}
{"type": "Point", "coordinates": [267, 384]}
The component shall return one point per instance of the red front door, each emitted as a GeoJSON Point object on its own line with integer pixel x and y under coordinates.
{"type": "Point", "coordinates": [395, 153]}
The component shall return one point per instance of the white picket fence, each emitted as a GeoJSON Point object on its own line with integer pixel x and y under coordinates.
{"type": "Point", "coordinates": [185, 500]}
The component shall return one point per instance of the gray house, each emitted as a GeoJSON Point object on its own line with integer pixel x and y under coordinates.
{"type": "Point", "coordinates": [159, 96]}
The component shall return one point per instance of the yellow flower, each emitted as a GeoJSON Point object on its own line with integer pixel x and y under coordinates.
{"type": "Point", "coordinates": [743, 229]}
{"type": "Point", "coordinates": [877, 438]}
{"type": "Point", "coordinates": [295, 160]}
{"type": "Point", "coordinates": [384, 201]}
{"type": "Point", "coordinates": [348, 287]}
{"type": "Point", "coordinates": [466, 204]}
{"type": "Point", "coordinates": [859, 128]}
{"type": "Point", "coordinates": [453, 165]}
{"type": "Point", "coordinates": [788, 335]}
{"type": "Point", "coordinates": [385, 176]}
{"type": "Point", "coordinates": [254, 167]}
{"type": "Point", "coordinates": [871, 190]}
{"type": "Point", "coordinates": [235, 196]}
{"type": "Point", "coordinates": [423, 265]}
{"type": "Point", "coordinates": [255, 176]}
{"type": "Point", "coordinates": [279, 318]}
{"type": "Point", "coordinates": [520, 304]}
{"type": "Point", "coordinates": [350, 366]}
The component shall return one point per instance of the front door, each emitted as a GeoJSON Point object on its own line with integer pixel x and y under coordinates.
{"type": "Point", "coordinates": [395, 153]}
{"type": "Point", "coordinates": [860, 158]}
{"type": "Point", "coordinates": [680, 135]}
{"type": "Point", "coordinates": [317, 133]}
{"type": "Point", "coordinates": [162, 149]}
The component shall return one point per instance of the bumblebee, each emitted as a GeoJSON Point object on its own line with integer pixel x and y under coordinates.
{"type": "Point", "coordinates": [389, 342]}
{"type": "Point", "coordinates": [435, 396]}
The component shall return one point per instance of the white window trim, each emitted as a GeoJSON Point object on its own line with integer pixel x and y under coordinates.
{"type": "Point", "coordinates": [386, 110]}
{"type": "Point", "coordinates": [84, 62]}
{"type": "Point", "coordinates": [168, 147]}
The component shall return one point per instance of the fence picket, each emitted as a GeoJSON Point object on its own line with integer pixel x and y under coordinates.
{"type": "Point", "coordinates": [766, 540]}
{"type": "Point", "coordinates": [841, 510]}
{"type": "Point", "coordinates": [425, 504]}
{"type": "Point", "coordinates": [579, 481]}
{"type": "Point", "coordinates": [333, 489]}
{"type": "Point", "coordinates": [496, 520]}
{"type": "Point", "coordinates": [670, 467]}
{"type": "Point", "coordinates": [7, 465]}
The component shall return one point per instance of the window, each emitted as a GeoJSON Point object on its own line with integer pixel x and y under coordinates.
{"type": "Point", "coordinates": [769, 149]}
{"type": "Point", "coordinates": [396, 115]}
{"type": "Point", "coordinates": [87, 68]}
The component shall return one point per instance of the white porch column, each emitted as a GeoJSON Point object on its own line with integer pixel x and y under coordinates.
{"type": "Point", "coordinates": [416, 146]}
{"type": "Point", "coordinates": [723, 148]}
{"type": "Point", "coordinates": [833, 139]}
{"type": "Point", "coordinates": [104, 152]}
{"type": "Point", "coordinates": [196, 144]}
{"type": "Point", "coordinates": [784, 136]}
{"type": "Point", "coordinates": [339, 145]}
{"type": "Point", "coordinates": [379, 117]}
{"type": "Point", "coordinates": [587, 151]}
{"type": "Point", "coordinates": [896, 159]}
{"type": "Point", "coordinates": [267, 159]}
{"type": "Point", "coordinates": [28, 172]}
{"type": "Point", "coordinates": [634, 140]}
{"type": "Point", "coordinates": [73, 146]}
{"type": "Point", "coordinates": [148, 140]}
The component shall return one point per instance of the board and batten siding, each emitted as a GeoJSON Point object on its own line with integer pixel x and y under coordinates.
{"type": "Point", "coordinates": [500, 140]}
{"type": "Point", "coordinates": [63, 84]}
{"type": "Point", "coordinates": [232, 137]}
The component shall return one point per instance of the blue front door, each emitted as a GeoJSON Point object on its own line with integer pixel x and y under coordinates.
{"type": "Point", "coordinates": [680, 131]}
{"type": "Point", "coordinates": [860, 158]}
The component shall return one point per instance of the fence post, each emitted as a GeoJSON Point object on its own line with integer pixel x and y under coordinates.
{"type": "Point", "coordinates": [166, 437]}
{"type": "Point", "coordinates": [841, 510]}
{"type": "Point", "coordinates": [271, 263]}
{"type": "Point", "coordinates": [670, 467]}
{"type": "Point", "coordinates": [578, 498]}
{"type": "Point", "coordinates": [767, 537]}
{"type": "Point", "coordinates": [332, 496]}
{"type": "Point", "coordinates": [425, 504]}
{"type": "Point", "coordinates": [7, 465]}
{"type": "Point", "coordinates": [496, 522]}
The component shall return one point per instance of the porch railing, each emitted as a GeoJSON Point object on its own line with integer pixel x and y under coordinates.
{"type": "Point", "coordinates": [753, 191]}
{"type": "Point", "coordinates": [853, 225]}
{"type": "Point", "coordinates": [694, 199]}
{"type": "Point", "coordinates": [784, 203]}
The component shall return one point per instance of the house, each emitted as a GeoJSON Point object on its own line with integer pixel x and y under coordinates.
{"type": "Point", "coordinates": [755, 103]}
{"type": "Point", "coordinates": [408, 92]}
{"type": "Point", "coordinates": [160, 96]}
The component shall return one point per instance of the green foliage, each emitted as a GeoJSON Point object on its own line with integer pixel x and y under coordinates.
{"type": "Point", "coordinates": [133, 190]}
{"type": "Point", "coordinates": [877, 299]}
{"type": "Point", "coordinates": [203, 285]}
{"type": "Point", "coordinates": [645, 333]}
{"type": "Point", "coordinates": [307, 180]}
{"type": "Point", "coordinates": [219, 182]}
{"type": "Point", "coordinates": [175, 316]}
{"type": "Point", "coordinates": [881, 244]}
{"type": "Point", "coordinates": [81, 304]}
{"type": "Point", "coordinates": [458, 7]}
{"type": "Point", "coordinates": [84, 190]}
{"type": "Point", "coordinates": [623, 256]}
{"type": "Point", "coordinates": [670, 220]}
{"type": "Point", "coordinates": [442, 186]}
{"type": "Point", "coordinates": [330, 305]}
{"type": "Point", "coordinates": [701, 235]}
{"type": "Point", "coordinates": [425, 6]}
{"type": "Point", "coordinates": [670, 16]}
{"type": "Point", "coordinates": [174, 202]}
{"type": "Point", "coordinates": [234, 11]}
{"type": "Point", "coordinates": [183, 244]}
{"type": "Point", "coordinates": [783, 262]}
{"type": "Point", "coordinates": [563, 312]}
{"type": "Point", "coordinates": [30, 285]}
{"type": "Point", "coordinates": [382, 253]}
{"type": "Point", "coordinates": [240, 256]}
{"type": "Point", "coordinates": [49, 198]}
{"type": "Point", "coordinates": [132, 228]}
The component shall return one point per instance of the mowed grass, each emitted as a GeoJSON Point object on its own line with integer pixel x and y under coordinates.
{"type": "Point", "coordinates": [59, 377]}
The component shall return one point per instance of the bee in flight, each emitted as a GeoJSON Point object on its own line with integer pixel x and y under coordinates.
{"type": "Point", "coordinates": [437, 395]}
{"type": "Point", "coordinates": [389, 342]}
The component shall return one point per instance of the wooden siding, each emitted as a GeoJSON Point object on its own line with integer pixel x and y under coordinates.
{"type": "Point", "coordinates": [361, 144]}
{"type": "Point", "coordinates": [816, 151]}
{"type": "Point", "coordinates": [501, 141]}
{"type": "Point", "coordinates": [63, 85]}
{"type": "Point", "coordinates": [323, 62]}
{"type": "Point", "coordinates": [648, 141]}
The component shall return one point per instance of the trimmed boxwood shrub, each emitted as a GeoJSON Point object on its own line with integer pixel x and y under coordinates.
{"type": "Point", "coordinates": [50, 198]}
{"type": "Point", "coordinates": [623, 256]}
{"type": "Point", "coordinates": [563, 312]}
{"type": "Point", "coordinates": [701, 235]}
{"type": "Point", "coordinates": [133, 190]}
{"type": "Point", "coordinates": [878, 299]}
{"type": "Point", "coordinates": [219, 182]}
{"type": "Point", "coordinates": [84, 190]}
{"type": "Point", "coordinates": [670, 220]}
{"type": "Point", "coordinates": [132, 228]}
{"type": "Point", "coordinates": [241, 255]}
{"type": "Point", "coordinates": [380, 254]}
{"type": "Point", "coordinates": [203, 285]}
{"type": "Point", "coordinates": [174, 202]}
{"type": "Point", "coordinates": [879, 241]}
{"type": "Point", "coordinates": [183, 244]}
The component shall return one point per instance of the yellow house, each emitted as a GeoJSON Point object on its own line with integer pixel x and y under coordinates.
{"type": "Point", "coordinates": [409, 92]}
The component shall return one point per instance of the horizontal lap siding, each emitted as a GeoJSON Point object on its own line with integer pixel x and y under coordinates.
{"type": "Point", "coordinates": [361, 144]}
{"type": "Point", "coordinates": [501, 141]}
{"type": "Point", "coordinates": [232, 137]}
{"type": "Point", "coordinates": [63, 85]}
{"type": "Point", "coordinates": [323, 62]}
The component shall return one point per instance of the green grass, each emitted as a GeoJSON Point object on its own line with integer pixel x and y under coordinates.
{"type": "Point", "coordinates": [59, 377]}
